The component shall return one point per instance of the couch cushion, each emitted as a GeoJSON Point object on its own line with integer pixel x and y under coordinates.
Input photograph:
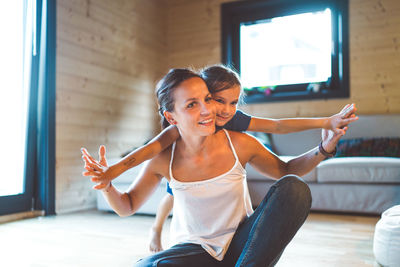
{"type": "Point", "coordinates": [359, 170]}
{"type": "Point", "coordinates": [253, 174]}
{"type": "Point", "coordinates": [369, 147]}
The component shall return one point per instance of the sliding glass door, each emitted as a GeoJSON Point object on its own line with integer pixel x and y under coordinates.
{"type": "Point", "coordinates": [16, 176]}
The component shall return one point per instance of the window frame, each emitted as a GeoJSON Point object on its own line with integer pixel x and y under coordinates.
{"type": "Point", "coordinates": [235, 13]}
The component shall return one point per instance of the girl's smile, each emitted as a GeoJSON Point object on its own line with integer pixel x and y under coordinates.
{"type": "Point", "coordinates": [226, 102]}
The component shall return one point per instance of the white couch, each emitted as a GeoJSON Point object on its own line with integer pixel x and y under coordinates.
{"type": "Point", "coordinates": [348, 184]}
{"type": "Point", "coordinates": [357, 184]}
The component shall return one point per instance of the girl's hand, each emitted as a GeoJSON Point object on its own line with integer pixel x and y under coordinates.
{"type": "Point", "coordinates": [342, 119]}
{"type": "Point", "coordinates": [97, 169]}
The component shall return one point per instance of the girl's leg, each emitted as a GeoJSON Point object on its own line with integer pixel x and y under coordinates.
{"type": "Point", "coordinates": [163, 211]}
{"type": "Point", "coordinates": [181, 255]}
{"type": "Point", "coordinates": [261, 238]}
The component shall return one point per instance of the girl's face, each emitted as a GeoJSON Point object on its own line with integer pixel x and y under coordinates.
{"type": "Point", "coordinates": [226, 102]}
{"type": "Point", "coordinates": [194, 110]}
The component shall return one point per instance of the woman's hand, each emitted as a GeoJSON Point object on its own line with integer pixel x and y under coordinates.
{"type": "Point", "coordinates": [342, 119]}
{"type": "Point", "coordinates": [331, 138]}
{"type": "Point", "coordinates": [97, 169]}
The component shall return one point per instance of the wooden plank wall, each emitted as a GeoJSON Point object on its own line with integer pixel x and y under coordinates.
{"type": "Point", "coordinates": [109, 56]}
{"type": "Point", "coordinates": [194, 39]}
{"type": "Point", "coordinates": [111, 53]}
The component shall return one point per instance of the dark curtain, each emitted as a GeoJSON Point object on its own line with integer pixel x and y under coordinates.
{"type": "Point", "coordinates": [45, 86]}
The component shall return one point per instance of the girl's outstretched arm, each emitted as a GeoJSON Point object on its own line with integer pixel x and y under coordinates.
{"type": "Point", "coordinates": [283, 126]}
{"type": "Point", "coordinates": [106, 174]}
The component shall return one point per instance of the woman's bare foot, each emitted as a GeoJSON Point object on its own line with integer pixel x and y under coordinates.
{"type": "Point", "coordinates": [155, 240]}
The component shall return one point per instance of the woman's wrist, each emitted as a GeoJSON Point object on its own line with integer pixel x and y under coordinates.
{"type": "Point", "coordinates": [329, 153]}
{"type": "Point", "coordinates": [114, 171]}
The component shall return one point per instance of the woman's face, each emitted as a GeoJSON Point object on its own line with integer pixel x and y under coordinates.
{"type": "Point", "coordinates": [226, 102]}
{"type": "Point", "coordinates": [194, 110]}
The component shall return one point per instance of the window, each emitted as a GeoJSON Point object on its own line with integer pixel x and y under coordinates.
{"type": "Point", "coordinates": [27, 107]}
{"type": "Point", "coordinates": [288, 50]}
{"type": "Point", "coordinates": [14, 133]}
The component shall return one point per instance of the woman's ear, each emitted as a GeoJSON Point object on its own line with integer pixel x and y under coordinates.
{"type": "Point", "coordinates": [170, 118]}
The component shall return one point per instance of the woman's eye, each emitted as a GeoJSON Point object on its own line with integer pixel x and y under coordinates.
{"type": "Point", "coordinates": [190, 105]}
{"type": "Point", "coordinates": [234, 103]}
{"type": "Point", "coordinates": [220, 101]}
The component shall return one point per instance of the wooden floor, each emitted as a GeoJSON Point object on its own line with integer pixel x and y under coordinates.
{"type": "Point", "coordinates": [99, 239]}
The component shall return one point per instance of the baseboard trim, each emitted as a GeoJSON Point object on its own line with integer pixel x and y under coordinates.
{"type": "Point", "coordinates": [21, 216]}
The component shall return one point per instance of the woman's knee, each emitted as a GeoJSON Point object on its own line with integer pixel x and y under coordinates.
{"type": "Point", "coordinates": [295, 189]}
{"type": "Point", "coordinates": [143, 263]}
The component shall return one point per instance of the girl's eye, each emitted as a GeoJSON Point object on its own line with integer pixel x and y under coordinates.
{"type": "Point", "coordinates": [220, 101]}
{"type": "Point", "coordinates": [234, 103]}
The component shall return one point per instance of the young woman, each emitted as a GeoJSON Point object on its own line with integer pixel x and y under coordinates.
{"type": "Point", "coordinates": [212, 225]}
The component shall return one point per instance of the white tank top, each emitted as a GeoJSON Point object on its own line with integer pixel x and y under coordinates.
{"type": "Point", "coordinates": [208, 212]}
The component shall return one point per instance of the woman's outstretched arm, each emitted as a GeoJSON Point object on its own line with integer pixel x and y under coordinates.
{"type": "Point", "coordinates": [253, 152]}
{"type": "Point", "coordinates": [126, 203]}
{"type": "Point", "coordinates": [304, 163]}
{"type": "Point", "coordinates": [136, 157]}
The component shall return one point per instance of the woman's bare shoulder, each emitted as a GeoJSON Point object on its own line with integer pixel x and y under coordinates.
{"type": "Point", "coordinates": [241, 138]}
{"type": "Point", "coordinates": [244, 142]}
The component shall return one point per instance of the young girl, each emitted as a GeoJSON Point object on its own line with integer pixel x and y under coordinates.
{"type": "Point", "coordinates": [225, 87]}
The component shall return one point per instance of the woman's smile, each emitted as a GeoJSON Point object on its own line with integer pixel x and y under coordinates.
{"type": "Point", "coordinates": [207, 122]}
